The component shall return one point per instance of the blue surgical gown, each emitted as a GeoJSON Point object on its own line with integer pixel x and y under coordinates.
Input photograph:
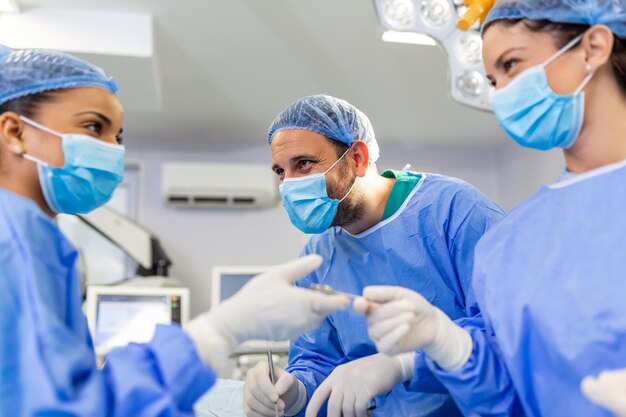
{"type": "Point", "coordinates": [551, 281]}
{"type": "Point", "coordinates": [427, 246]}
{"type": "Point", "coordinates": [47, 362]}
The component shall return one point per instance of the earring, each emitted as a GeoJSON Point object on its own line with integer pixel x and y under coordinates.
{"type": "Point", "coordinates": [588, 68]}
{"type": "Point", "coordinates": [17, 148]}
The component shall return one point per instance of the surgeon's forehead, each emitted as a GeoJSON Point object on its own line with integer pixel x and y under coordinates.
{"type": "Point", "coordinates": [287, 144]}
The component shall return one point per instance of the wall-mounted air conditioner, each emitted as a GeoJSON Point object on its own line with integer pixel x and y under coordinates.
{"type": "Point", "coordinates": [219, 186]}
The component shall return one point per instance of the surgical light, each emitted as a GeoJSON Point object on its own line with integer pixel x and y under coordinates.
{"type": "Point", "coordinates": [399, 14]}
{"type": "Point", "coordinates": [470, 49]}
{"type": "Point", "coordinates": [440, 21]}
{"type": "Point", "coordinates": [436, 13]}
{"type": "Point", "coordinates": [471, 84]}
{"type": "Point", "coordinates": [408, 37]}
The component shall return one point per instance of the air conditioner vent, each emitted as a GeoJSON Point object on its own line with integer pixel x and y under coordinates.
{"type": "Point", "coordinates": [204, 186]}
{"type": "Point", "coordinates": [210, 200]}
{"type": "Point", "coordinates": [177, 199]}
{"type": "Point", "coordinates": [244, 200]}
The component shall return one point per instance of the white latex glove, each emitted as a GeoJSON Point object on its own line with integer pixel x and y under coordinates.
{"type": "Point", "coordinates": [351, 386]}
{"type": "Point", "coordinates": [259, 395]}
{"type": "Point", "coordinates": [608, 390]}
{"type": "Point", "coordinates": [401, 320]}
{"type": "Point", "coordinates": [268, 307]}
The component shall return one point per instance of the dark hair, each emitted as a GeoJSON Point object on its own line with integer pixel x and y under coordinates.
{"type": "Point", "coordinates": [565, 32]}
{"type": "Point", "coordinates": [340, 147]}
{"type": "Point", "coordinates": [28, 105]}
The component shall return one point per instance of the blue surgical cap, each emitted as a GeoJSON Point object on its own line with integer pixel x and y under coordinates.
{"type": "Point", "coordinates": [32, 71]}
{"type": "Point", "coordinates": [611, 13]}
{"type": "Point", "coordinates": [329, 116]}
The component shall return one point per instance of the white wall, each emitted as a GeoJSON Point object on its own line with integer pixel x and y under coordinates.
{"type": "Point", "coordinates": [197, 240]}
{"type": "Point", "coordinates": [520, 172]}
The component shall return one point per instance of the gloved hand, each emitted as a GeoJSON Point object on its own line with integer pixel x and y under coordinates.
{"type": "Point", "coordinates": [259, 395]}
{"type": "Point", "coordinates": [353, 385]}
{"type": "Point", "coordinates": [268, 307]}
{"type": "Point", "coordinates": [401, 320]}
{"type": "Point", "coordinates": [608, 390]}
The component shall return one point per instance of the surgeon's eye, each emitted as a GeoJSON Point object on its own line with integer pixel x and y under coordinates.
{"type": "Point", "coordinates": [279, 171]}
{"type": "Point", "coordinates": [509, 64]}
{"type": "Point", "coordinates": [119, 139]}
{"type": "Point", "coordinates": [305, 163]}
{"type": "Point", "coordinates": [95, 127]}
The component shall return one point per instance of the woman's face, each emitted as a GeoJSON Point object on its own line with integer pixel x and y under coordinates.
{"type": "Point", "coordinates": [508, 50]}
{"type": "Point", "coordinates": [89, 111]}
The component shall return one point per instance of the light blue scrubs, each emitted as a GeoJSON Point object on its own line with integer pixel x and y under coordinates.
{"type": "Point", "coordinates": [47, 361]}
{"type": "Point", "coordinates": [427, 246]}
{"type": "Point", "coordinates": [551, 282]}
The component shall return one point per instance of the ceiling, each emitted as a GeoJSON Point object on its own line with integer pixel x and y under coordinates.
{"type": "Point", "coordinates": [225, 68]}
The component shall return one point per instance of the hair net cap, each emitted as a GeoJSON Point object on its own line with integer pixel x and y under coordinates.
{"type": "Point", "coordinates": [32, 71]}
{"type": "Point", "coordinates": [329, 116]}
{"type": "Point", "coordinates": [611, 13]}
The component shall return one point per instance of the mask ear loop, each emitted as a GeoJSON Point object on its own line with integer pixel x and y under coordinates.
{"type": "Point", "coordinates": [333, 165]}
{"type": "Point", "coordinates": [40, 127]}
{"type": "Point", "coordinates": [337, 161]}
{"type": "Point", "coordinates": [584, 83]}
{"type": "Point", "coordinates": [355, 178]}
{"type": "Point", "coordinates": [34, 159]}
{"type": "Point", "coordinates": [350, 190]}
{"type": "Point", "coordinates": [564, 49]}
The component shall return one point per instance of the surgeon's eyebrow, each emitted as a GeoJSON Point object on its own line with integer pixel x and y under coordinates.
{"type": "Point", "coordinates": [295, 159]}
{"type": "Point", "coordinates": [500, 60]}
{"type": "Point", "coordinates": [102, 118]}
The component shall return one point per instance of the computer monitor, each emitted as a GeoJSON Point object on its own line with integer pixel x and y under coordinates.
{"type": "Point", "coordinates": [225, 282]}
{"type": "Point", "coordinates": [123, 314]}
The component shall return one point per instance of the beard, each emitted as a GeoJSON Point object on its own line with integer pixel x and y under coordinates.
{"type": "Point", "coordinates": [351, 208]}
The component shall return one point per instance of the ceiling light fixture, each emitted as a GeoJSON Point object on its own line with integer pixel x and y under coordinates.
{"type": "Point", "coordinates": [413, 38]}
{"type": "Point", "coordinates": [434, 22]}
{"type": "Point", "coordinates": [8, 6]}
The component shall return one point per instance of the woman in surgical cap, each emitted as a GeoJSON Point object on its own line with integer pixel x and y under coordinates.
{"type": "Point", "coordinates": [61, 152]}
{"type": "Point", "coordinates": [551, 277]}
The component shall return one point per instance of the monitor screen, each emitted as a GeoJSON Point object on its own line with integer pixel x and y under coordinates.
{"type": "Point", "coordinates": [119, 315]}
{"type": "Point", "coordinates": [231, 283]}
{"type": "Point", "coordinates": [122, 318]}
{"type": "Point", "coordinates": [227, 280]}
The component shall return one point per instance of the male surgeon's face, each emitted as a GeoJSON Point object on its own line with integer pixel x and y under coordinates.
{"type": "Point", "coordinates": [297, 153]}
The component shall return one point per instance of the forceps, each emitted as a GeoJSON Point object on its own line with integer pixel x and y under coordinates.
{"type": "Point", "coordinates": [327, 289]}
{"type": "Point", "coordinates": [270, 361]}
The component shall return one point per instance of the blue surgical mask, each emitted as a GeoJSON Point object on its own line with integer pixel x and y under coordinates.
{"type": "Point", "coordinates": [307, 203]}
{"type": "Point", "coordinates": [534, 115]}
{"type": "Point", "coordinates": [92, 171]}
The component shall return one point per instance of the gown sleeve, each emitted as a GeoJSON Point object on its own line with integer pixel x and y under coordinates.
{"type": "Point", "coordinates": [483, 387]}
{"type": "Point", "coordinates": [471, 218]}
{"type": "Point", "coordinates": [47, 361]}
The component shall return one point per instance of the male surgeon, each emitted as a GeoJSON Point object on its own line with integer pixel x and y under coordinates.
{"type": "Point", "coordinates": [409, 229]}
